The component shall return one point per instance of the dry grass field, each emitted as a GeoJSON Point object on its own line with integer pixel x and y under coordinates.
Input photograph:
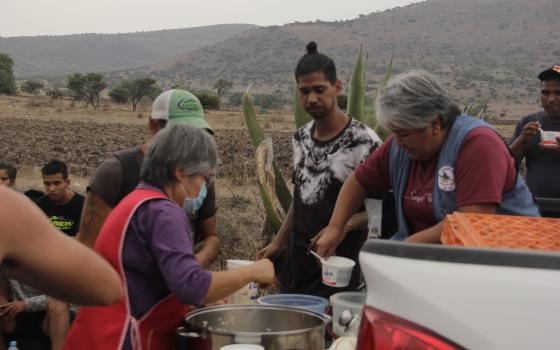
{"type": "Point", "coordinates": [35, 129]}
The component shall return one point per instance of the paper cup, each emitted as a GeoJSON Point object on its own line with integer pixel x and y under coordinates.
{"type": "Point", "coordinates": [337, 271]}
{"type": "Point", "coordinates": [549, 137]}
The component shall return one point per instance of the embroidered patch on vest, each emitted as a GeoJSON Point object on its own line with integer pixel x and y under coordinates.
{"type": "Point", "coordinates": [446, 178]}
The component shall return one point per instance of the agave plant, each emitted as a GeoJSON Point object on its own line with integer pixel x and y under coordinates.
{"type": "Point", "coordinates": [477, 109]}
{"type": "Point", "coordinates": [274, 191]}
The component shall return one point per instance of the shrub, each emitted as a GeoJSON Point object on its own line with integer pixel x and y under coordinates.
{"type": "Point", "coordinates": [32, 86]}
{"type": "Point", "coordinates": [55, 93]}
{"type": "Point", "coordinates": [208, 99]}
{"type": "Point", "coordinates": [119, 94]}
{"type": "Point", "coordinates": [236, 99]}
{"type": "Point", "coordinates": [268, 101]}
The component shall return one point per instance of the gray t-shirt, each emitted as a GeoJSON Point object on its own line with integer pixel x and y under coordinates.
{"type": "Point", "coordinates": [542, 166]}
{"type": "Point", "coordinates": [107, 183]}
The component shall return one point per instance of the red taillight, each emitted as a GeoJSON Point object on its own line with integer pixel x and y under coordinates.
{"type": "Point", "coordinates": [382, 331]}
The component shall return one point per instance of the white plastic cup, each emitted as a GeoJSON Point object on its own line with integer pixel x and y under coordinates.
{"type": "Point", "coordinates": [247, 294]}
{"type": "Point", "coordinates": [351, 301]}
{"type": "Point", "coordinates": [242, 347]}
{"type": "Point", "coordinates": [337, 270]}
{"type": "Point", "coordinates": [549, 137]}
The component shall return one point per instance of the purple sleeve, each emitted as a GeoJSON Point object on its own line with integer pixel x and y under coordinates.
{"type": "Point", "coordinates": [172, 246]}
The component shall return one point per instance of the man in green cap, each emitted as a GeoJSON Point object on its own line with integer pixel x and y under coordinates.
{"type": "Point", "coordinates": [119, 175]}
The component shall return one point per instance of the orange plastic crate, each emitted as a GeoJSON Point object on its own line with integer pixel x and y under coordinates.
{"type": "Point", "coordinates": [501, 231]}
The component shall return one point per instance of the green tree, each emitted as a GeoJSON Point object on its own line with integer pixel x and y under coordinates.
{"type": "Point", "coordinates": [32, 86]}
{"type": "Point", "coordinates": [119, 94]}
{"type": "Point", "coordinates": [139, 88]}
{"type": "Point", "coordinates": [133, 91]}
{"type": "Point", "coordinates": [222, 86]}
{"type": "Point", "coordinates": [208, 99]}
{"type": "Point", "coordinates": [86, 87]}
{"type": "Point", "coordinates": [7, 79]}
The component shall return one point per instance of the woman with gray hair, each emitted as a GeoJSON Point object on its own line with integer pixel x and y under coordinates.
{"type": "Point", "coordinates": [436, 161]}
{"type": "Point", "coordinates": [147, 239]}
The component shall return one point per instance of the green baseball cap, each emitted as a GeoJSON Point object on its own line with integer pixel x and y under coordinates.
{"type": "Point", "coordinates": [180, 107]}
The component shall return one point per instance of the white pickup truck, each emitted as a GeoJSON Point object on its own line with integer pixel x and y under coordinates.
{"type": "Point", "coordinates": [442, 297]}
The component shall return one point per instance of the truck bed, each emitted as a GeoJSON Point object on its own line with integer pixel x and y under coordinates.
{"type": "Point", "coordinates": [478, 298]}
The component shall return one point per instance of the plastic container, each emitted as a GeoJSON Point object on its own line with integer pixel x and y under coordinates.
{"type": "Point", "coordinates": [247, 294]}
{"type": "Point", "coordinates": [549, 137]}
{"type": "Point", "coordinates": [242, 347]}
{"type": "Point", "coordinates": [347, 301]}
{"type": "Point", "coordinates": [337, 271]}
{"type": "Point", "coordinates": [304, 301]}
{"type": "Point", "coordinates": [501, 231]}
{"type": "Point", "coordinates": [374, 208]}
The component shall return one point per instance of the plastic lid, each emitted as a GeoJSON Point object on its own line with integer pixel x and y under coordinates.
{"type": "Point", "coordinates": [242, 347]}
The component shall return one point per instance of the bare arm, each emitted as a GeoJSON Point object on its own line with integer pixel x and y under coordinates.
{"type": "Point", "coordinates": [94, 214]}
{"type": "Point", "coordinates": [35, 253]}
{"type": "Point", "coordinates": [207, 250]}
{"type": "Point", "coordinates": [433, 234]}
{"type": "Point", "coordinates": [225, 283]}
{"type": "Point", "coordinates": [280, 238]}
{"type": "Point", "coordinates": [350, 199]}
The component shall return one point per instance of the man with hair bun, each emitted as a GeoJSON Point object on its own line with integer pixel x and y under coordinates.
{"type": "Point", "coordinates": [325, 152]}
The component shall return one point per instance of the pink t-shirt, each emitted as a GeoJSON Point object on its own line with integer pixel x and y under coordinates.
{"type": "Point", "coordinates": [484, 170]}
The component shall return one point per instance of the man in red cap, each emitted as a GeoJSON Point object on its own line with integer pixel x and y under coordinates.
{"type": "Point", "coordinates": [542, 159]}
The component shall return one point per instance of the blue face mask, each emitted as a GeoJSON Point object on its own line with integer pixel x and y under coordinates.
{"type": "Point", "coordinates": [191, 205]}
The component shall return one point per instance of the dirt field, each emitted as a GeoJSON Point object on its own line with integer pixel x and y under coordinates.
{"type": "Point", "coordinates": [35, 129]}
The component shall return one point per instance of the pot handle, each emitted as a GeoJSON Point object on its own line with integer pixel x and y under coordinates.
{"type": "Point", "coordinates": [192, 340]}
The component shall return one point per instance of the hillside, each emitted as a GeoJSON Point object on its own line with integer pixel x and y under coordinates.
{"type": "Point", "coordinates": [480, 48]}
{"type": "Point", "coordinates": [64, 54]}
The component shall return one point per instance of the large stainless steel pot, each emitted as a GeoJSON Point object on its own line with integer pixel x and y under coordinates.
{"type": "Point", "coordinates": [273, 327]}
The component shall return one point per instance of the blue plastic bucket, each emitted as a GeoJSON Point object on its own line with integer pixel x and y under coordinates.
{"type": "Point", "coordinates": [304, 301]}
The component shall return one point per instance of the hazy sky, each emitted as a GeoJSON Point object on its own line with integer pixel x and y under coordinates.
{"type": "Point", "coordinates": [44, 17]}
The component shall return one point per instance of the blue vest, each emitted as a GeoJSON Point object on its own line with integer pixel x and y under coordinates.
{"type": "Point", "coordinates": [517, 201]}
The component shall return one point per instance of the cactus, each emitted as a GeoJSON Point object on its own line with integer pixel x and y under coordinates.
{"type": "Point", "coordinates": [477, 109]}
{"type": "Point", "coordinates": [267, 182]}
{"type": "Point", "coordinates": [257, 137]}
{"type": "Point", "coordinates": [357, 94]}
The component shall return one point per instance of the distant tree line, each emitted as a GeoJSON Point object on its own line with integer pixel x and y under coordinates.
{"type": "Point", "coordinates": [88, 87]}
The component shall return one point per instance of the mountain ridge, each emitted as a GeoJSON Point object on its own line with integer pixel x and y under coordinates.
{"type": "Point", "coordinates": [52, 55]}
